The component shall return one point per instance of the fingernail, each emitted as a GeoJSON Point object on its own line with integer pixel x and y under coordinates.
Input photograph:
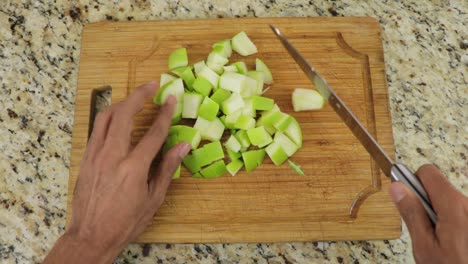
{"type": "Point", "coordinates": [184, 150]}
{"type": "Point", "coordinates": [397, 192]}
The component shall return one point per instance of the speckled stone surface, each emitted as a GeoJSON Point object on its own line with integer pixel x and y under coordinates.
{"type": "Point", "coordinates": [426, 52]}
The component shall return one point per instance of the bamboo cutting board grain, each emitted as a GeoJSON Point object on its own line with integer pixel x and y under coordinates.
{"type": "Point", "coordinates": [343, 195]}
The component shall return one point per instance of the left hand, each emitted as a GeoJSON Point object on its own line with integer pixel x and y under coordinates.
{"type": "Point", "coordinates": [115, 199]}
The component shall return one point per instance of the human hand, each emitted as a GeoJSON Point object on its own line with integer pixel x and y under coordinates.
{"type": "Point", "coordinates": [115, 199]}
{"type": "Point", "coordinates": [448, 241]}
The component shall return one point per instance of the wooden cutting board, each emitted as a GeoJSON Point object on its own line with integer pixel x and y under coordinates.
{"type": "Point", "coordinates": [343, 195]}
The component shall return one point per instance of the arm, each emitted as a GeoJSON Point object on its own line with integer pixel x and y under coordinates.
{"type": "Point", "coordinates": [115, 198]}
{"type": "Point", "coordinates": [447, 242]}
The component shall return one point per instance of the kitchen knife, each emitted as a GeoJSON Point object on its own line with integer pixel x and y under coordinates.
{"type": "Point", "coordinates": [396, 172]}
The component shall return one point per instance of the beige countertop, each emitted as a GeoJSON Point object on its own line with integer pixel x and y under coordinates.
{"type": "Point", "coordinates": [426, 54]}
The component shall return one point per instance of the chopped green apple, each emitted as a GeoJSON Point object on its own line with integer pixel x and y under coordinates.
{"type": "Point", "coordinates": [165, 78]}
{"type": "Point", "coordinates": [276, 153]}
{"type": "Point", "coordinates": [296, 168]}
{"type": "Point", "coordinates": [253, 158]}
{"type": "Point", "coordinates": [244, 122]}
{"type": "Point", "coordinates": [210, 75]}
{"type": "Point", "coordinates": [208, 109]}
{"type": "Point", "coordinates": [307, 99]}
{"type": "Point", "coordinates": [191, 163]}
{"type": "Point", "coordinates": [175, 88]}
{"type": "Point", "coordinates": [209, 130]}
{"type": "Point", "coordinates": [230, 68]}
{"type": "Point", "coordinates": [262, 103]}
{"type": "Point", "coordinates": [202, 86]}
{"type": "Point", "coordinates": [258, 76]}
{"type": "Point", "coordinates": [231, 119]}
{"type": "Point", "coordinates": [243, 45]}
{"type": "Point", "coordinates": [242, 137]}
{"type": "Point", "coordinates": [240, 66]}
{"type": "Point", "coordinates": [232, 81]}
{"type": "Point", "coordinates": [186, 74]}
{"type": "Point", "coordinates": [262, 67]}
{"type": "Point", "coordinates": [234, 166]}
{"type": "Point", "coordinates": [248, 109]}
{"type": "Point", "coordinates": [215, 170]}
{"type": "Point", "coordinates": [233, 155]}
{"type": "Point", "coordinates": [216, 62]}
{"type": "Point", "coordinates": [220, 95]}
{"type": "Point", "coordinates": [233, 144]}
{"type": "Point", "coordinates": [197, 175]}
{"type": "Point", "coordinates": [185, 134]}
{"type": "Point", "coordinates": [232, 104]}
{"type": "Point", "coordinates": [199, 66]}
{"type": "Point", "coordinates": [178, 58]}
{"type": "Point", "coordinates": [223, 47]}
{"type": "Point", "coordinates": [191, 105]}
{"type": "Point", "coordinates": [287, 144]}
{"type": "Point", "coordinates": [250, 88]}
{"type": "Point", "coordinates": [176, 174]}
{"type": "Point", "coordinates": [294, 132]}
{"type": "Point", "coordinates": [259, 137]}
{"type": "Point", "coordinates": [209, 152]}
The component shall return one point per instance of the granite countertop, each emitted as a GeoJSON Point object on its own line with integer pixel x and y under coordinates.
{"type": "Point", "coordinates": [426, 58]}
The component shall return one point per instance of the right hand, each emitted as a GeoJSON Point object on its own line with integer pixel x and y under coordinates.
{"type": "Point", "coordinates": [447, 242]}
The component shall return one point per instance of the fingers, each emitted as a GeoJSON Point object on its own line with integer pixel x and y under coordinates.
{"type": "Point", "coordinates": [150, 144]}
{"type": "Point", "coordinates": [98, 136]}
{"type": "Point", "coordinates": [414, 215]}
{"type": "Point", "coordinates": [440, 191]}
{"type": "Point", "coordinates": [121, 126]}
{"type": "Point", "coordinates": [160, 182]}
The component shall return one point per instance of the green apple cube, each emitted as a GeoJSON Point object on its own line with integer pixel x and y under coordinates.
{"type": "Point", "coordinates": [253, 158]}
{"type": "Point", "coordinates": [175, 88]}
{"type": "Point", "coordinates": [210, 130]}
{"type": "Point", "coordinates": [258, 76]}
{"type": "Point", "coordinates": [231, 119]}
{"type": "Point", "coordinates": [210, 75]}
{"type": "Point", "coordinates": [178, 58]}
{"type": "Point", "coordinates": [191, 163]}
{"type": "Point", "coordinates": [199, 66]}
{"type": "Point", "coordinates": [214, 170]}
{"type": "Point", "coordinates": [197, 175]}
{"type": "Point", "coordinates": [165, 78]}
{"type": "Point", "coordinates": [234, 166]}
{"type": "Point", "coordinates": [209, 152]}
{"type": "Point", "coordinates": [216, 62]}
{"type": "Point", "coordinates": [230, 68]}
{"type": "Point", "coordinates": [296, 168]}
{"type": "Point", "coordinates": [232, 104]}
{"type": "Point", "coordinates": [283, 122]}
{"type": "Point", "coordinates": [271, 118]}
{"type": "Point", "coordinates": [244, 122]}
{"type": "Point", "coordinates": [294, 132]}
{"type": "Point", "coordinates": [208, 109]}
{"type": "Point", "coordinates": [259, 137]}
{"type": "Point", "coordinates": [177, 116]}
{"type": "Point", "coordinates": [276, 153]}
{"type": "Point", "coordinates": [307, 99]}
{"type": "Point", "coordinates": [240, 66]}
{"type": "Point", "coordinates": [186, 74]}
{"type": "Point", "coordinates": [262, 67]}
{"type": "Point", "coordinates": [233, 155]}
{"type": "Point", "coordinates": [183, 133]}
{"type": "Point", "coordinates": [287, 144]}
{"type": "Point", "coordinates": [202, 86]}
{"type": "Point", "coordinates": [243, 45]}
{"type": "Point", "coordinates": [248, 109]}
{"type": "Point", "coordinates": [232, 81]}
{"type": "Point", "coordinates": [176, 174]}
{"type": "Point", "coordinates": [191, 104]}
{"type": "Point", "coordinates": [170, 142]}
{"type": "Point", "coordinates": [220, 95]}
{"type": "Point", "coordinates": [250, 88]}
{"type": "Point", "coordinates": [243, 138]}
{"type": "Point", "coordinates": [223, 47]}
{"type": "Point", "coordinates": [233, 144]}
{"type": "Point", "coordinates": [262, 103]}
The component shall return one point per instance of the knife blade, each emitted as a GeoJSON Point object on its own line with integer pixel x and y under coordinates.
{"type": "Point", "coordinates": [396, 172]}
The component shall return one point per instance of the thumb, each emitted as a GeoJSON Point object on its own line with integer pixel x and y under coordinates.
{"type": "Point", "coordinates": [160, 182]}
{"type": "Point", "coordinates": [414, 215]}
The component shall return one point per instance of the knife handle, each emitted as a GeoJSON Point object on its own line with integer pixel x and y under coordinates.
{"type": "Point", "coordinates": [402, 174]}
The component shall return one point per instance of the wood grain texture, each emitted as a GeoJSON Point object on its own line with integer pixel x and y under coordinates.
{"type": "Point", "coordinates": [271, 204]}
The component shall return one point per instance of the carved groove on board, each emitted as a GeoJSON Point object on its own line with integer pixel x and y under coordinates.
{"type": "Point", "coordinates": [376, 184]}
